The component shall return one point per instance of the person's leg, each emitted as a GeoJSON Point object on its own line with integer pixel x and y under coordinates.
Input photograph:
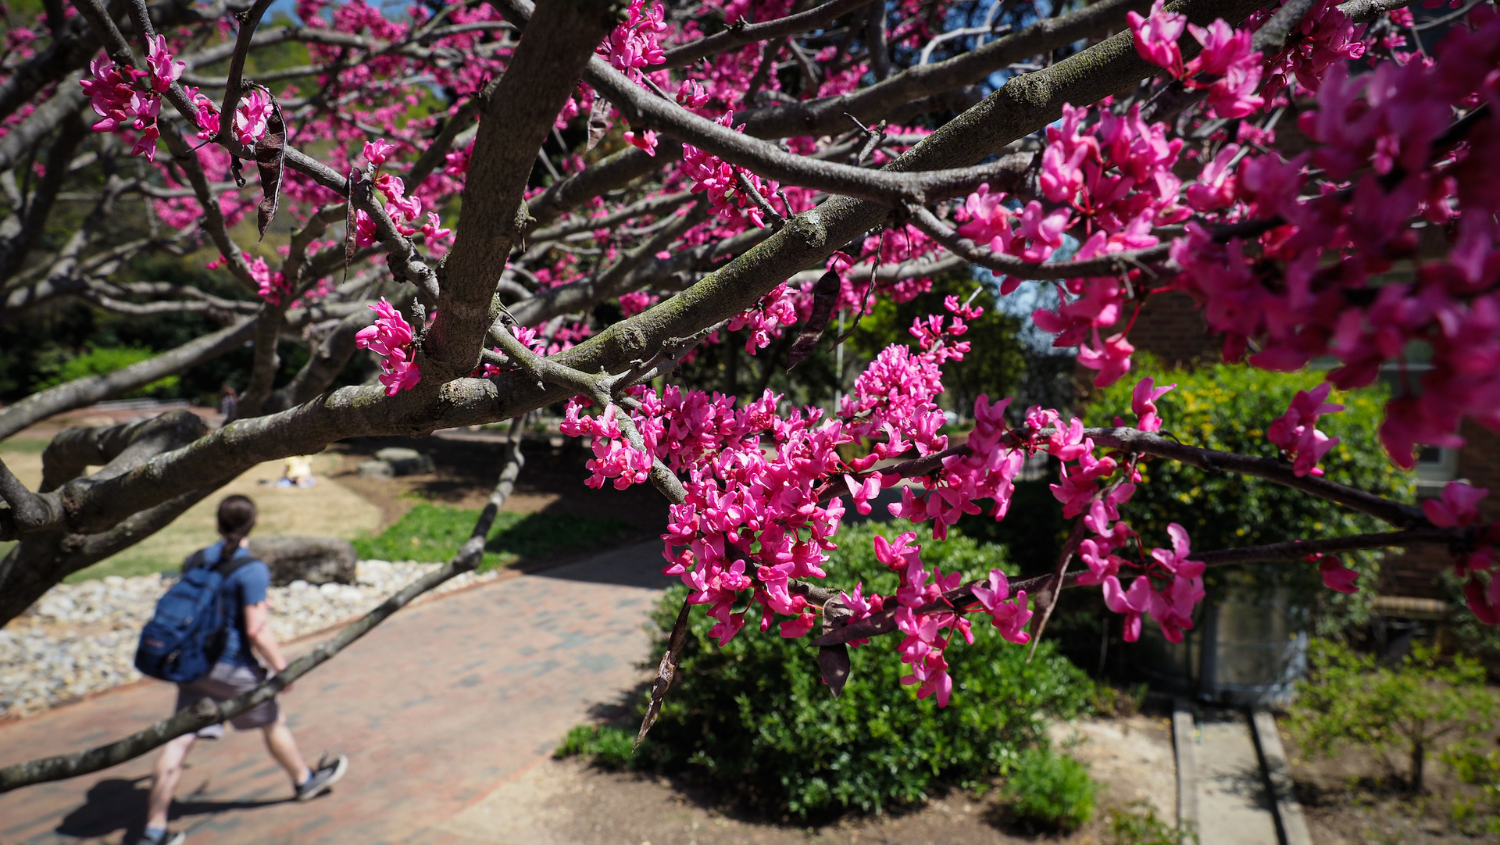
{"type": "Point", "coordinates": [283, 746]}
{"type": "Point", "coordinates": [164, 779]}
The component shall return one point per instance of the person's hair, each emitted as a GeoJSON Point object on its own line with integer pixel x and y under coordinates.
{"type": "Point", "coordinates": [236, 518]}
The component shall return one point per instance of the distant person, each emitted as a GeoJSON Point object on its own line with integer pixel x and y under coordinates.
{"type": "Point", "coordinates": [229, 403]}
{"type": "Point", "coordinates": [247, 634]}
{"type": "Point", "coordinates": [297, 472]}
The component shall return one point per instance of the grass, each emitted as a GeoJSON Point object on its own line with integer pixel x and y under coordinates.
{"type": "Point", "coordinates": [434, 532]}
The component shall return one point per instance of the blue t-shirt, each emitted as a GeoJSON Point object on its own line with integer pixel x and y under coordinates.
{"type": "Point", "coordinates": [245, 586]}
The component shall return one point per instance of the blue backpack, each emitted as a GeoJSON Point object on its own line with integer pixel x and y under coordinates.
{"type": "Point", "coordinates": [185, 637]}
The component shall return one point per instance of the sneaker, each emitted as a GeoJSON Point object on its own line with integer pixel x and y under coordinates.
{"type": "Point", "coordinates": [324, 776]}
{"type": "Point", "coordinates": [170, 838]}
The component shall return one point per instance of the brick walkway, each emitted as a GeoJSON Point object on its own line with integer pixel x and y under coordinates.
{"type": "Point", "coordinates": [435, 708]}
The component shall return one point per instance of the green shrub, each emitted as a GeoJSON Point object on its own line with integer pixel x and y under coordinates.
{"type": "Point", "coordinates": [434, 532]}
{"type": "Point", "coordinates": [1050, 791]}
{"type": "Point", "coordinates": [1138, 825]}
{"type": "Point", "coordinates": [1480, 768]}
{"type": "Point", "coordinates": [756, 718]}
{"type": "Point", "coordinates": [1227, 408]}
{"type": "Point", "coordinates": [102, 361]}
{"type": "Point", "coordinates": [1348, 699]}
{"type": "Point", "coordinates": [608, 745]}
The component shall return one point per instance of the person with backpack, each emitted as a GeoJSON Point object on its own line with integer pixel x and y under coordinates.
{"type": "Point", "coordinates": [205, 636]}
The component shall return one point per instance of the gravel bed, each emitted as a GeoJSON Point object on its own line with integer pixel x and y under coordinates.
{"type": "Point", "coordinates": [81, 638]}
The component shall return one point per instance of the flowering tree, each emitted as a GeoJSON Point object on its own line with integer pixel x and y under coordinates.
{"type": "Point", "coordinates": [767, 165]}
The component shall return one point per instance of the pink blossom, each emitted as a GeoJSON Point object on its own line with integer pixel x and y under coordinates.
{"type": "Point", "coordinates": [1156, 37]}
{"type": "Point", "coordinates": [633, 44]}
{"type": "Point", "coordinates": [1176, 561]}
{"type": "Point", "coordinates": [645, 141]}
{"type": "Point", "coordinates": [251, 116]}
{"type": "Point", "coordinates": [391, 338]}
{"type": "Point", "coordinates": [165, 71]}
{"type": "Point", "coordinates": [378, 151]}
{"type": "Point", "coordinates": [1338, 577]}
{"type": "Point", "coordinates": [1111, 358]}
{"type": "Point", "coordinates": [1143, 403]}
{"type": "Point", "coordinates": [1458, 507]}
{"type": "Point", "coordinates": [1294, 434]}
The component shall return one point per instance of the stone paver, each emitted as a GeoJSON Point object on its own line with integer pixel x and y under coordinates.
{"type": "Point", "coordinates": [436, 708]}
{"type": "Point", "coordinates": [1234, 807]}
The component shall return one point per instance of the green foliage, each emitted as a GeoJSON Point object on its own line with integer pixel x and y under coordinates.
{"type": "Point", "coordinates": [1228, 408]}
{"type": "Point", "coordinates": [1050, 791]}
{"type": "Point", "coordinates": [1348, 699]}
{"type": "Point", "coordinates": [1138, 825]}
{"type": "Point", "coordinates": [610, 746]}
{"type": "Point", "coordinates": [1476, 767]}
{"type": "Point", "coordinates": [756, 718]}
{"type": "Point", "coordinates": [102, 362]}
{"type": "Point", "coordinates": [434, 532]}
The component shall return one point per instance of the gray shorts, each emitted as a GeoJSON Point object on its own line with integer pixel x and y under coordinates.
{"type": "Point", "coordinates": [223, 682]}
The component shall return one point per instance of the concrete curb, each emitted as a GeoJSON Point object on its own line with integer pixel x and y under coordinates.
{"type": "Point", "coordinates": [1291, 826]}
{"type": "Point", "coordinates": [1184, 743]}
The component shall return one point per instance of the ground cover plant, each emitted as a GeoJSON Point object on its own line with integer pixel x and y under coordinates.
{"type": "Point", "coordinates": [1050, 792]}
{"type": "Point", "coordinates": [430, 532]}
{"type": "Point", "coordinates": [494, 208]}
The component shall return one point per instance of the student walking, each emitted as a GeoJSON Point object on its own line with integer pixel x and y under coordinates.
{"type": "Point", "coordinates": [246, 633]}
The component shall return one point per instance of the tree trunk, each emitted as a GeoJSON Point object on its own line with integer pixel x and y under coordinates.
{"type": "Point", "coordinates": [1418, 761]}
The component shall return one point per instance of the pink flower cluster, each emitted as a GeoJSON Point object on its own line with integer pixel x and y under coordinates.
{"type": "Point", "coordinates": [716, 177]}
{"type": "Point", "coordinates": [1115, 174]}
{"type": "Point", "coordinates": [1226, 55]}
{"type": "Point", "coordinates": [766, 319]}
{"type": "Point", "coordinates": [1293, 432]}
{"type": "Point", "coordinates": [404, 210]}
{"type": "Point", "coordinates": [272, 286]}
{"type": "Point", "coordinates": [1314, 283]}
{"type": "Point", "coordinates": [1459, 508]}
{"type": "Point", "coordinates": [634, 44]}
{"type": "Point", "coordinates": [127, 99]}
{"type": "Point", "coordinates": [1325, 38]}
{"type": "Point", "coordinates": [1172, 606]}
{"type": "Point", "coordinates": [391, 338]}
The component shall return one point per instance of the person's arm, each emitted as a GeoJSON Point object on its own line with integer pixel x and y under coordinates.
{"type": "Point", "coordinates": [258, 629]}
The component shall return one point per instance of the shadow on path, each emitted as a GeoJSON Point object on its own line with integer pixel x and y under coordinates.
{"type": "Point", "coordinates": [119, 804]}
{"type": "Point", "coordinates": [637, 565]}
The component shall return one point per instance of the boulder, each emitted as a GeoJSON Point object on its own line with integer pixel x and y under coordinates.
{"type": "Point", "coordinates": [406, 461]}
{"type": "Point", "coordinates": [316, 560]}
{"type": "Point", "coordinates": [376, 469]}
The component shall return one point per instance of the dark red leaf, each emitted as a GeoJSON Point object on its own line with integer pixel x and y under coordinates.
{"type": "Point", "coordinates": [833, 662]}
{"type": "Point", "coordinates": [598, 121]}
{"type": "Point", "coordinates": [825, 296]}
{"type": "Point", "coordinates": [270, 159]}
{"type": "Point", "coordinates": [665, 672]}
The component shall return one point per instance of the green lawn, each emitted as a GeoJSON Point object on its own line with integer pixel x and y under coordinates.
{"type": "Point", "coordinates": [434, 533]}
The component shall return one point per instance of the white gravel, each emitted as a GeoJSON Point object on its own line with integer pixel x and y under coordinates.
{"type": "Point", "coordinates": [81, 638]}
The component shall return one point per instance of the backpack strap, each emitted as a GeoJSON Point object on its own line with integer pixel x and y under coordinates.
{"type": "Point", "coordinates": [240, 557]}
{"type": "Point", "coordinates": [196, 559]}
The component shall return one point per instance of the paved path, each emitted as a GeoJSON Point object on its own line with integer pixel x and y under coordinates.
{"type": "Point", "coordinates": [1234, 807]}
{"type": "Point", "coordinates": [435, 708]}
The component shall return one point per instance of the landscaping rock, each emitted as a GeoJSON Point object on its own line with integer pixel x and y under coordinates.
{"type": "Point", "coordinates": [81, 638]}
{"type": "Point", "coordinates": [406, 461]}
{"type": "Point", "coordinates": [316, 560]}
{"type": "Point", "coordinates": [376, 469]}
